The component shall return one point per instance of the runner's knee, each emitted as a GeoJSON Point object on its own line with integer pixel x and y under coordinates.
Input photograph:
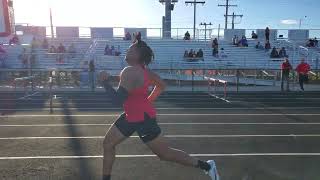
{"type": "Point", "coordinates": [107, 143]}
{"type": "Point", "coordinates": [164, 155]}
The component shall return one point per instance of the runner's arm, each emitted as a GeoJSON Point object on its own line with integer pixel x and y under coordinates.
{"type": "Point", "coordinates": [118, 96]}
{"type": "Point", "coordinates": [159, 86]}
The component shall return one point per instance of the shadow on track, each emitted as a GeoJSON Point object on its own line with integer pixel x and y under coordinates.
{"type": "Point", "coordinates": [75, 144]}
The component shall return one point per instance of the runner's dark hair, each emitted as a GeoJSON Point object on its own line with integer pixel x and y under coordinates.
{"type": "Point", "coordinates": [145, 52]}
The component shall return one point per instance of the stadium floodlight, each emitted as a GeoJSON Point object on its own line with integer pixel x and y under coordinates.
{"type": "Point", "coordinates": [300, 21]}
{"type": "Point", "coordinates": [172, 1]}
{"type": "Point", "coordinates": [166, 20]}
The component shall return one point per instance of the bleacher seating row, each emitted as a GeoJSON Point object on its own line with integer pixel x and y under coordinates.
{"type": "Point", "coordinates": [168, 54]}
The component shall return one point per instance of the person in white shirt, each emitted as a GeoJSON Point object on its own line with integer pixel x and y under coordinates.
{"type": "Point", "coordinates": [222, 54]}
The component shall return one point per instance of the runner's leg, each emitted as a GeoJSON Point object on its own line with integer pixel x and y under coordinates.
{"type": "Point", "coordinates": [112, 138]}
{"type": "Point", "coordinates": [161, 148]}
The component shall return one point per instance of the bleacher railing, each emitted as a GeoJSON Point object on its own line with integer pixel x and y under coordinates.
{"type": "Point", "coordinates": [178, 33]}
{"type": "Point", "coordinates": [177, 79]}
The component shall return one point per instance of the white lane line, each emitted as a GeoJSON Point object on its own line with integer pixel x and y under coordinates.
{"type": "Point", "coordinates": [241, 136]}
{"type": "Point", "coordinates": [168, 136]}
{"type": "Point", "coordinates": [26, 96]}
{"type": "Point", "coordinates": [171, 108]}
{"type": "Point", "coordinates": [102, 124]}
{"type": "Point", "coordinates": [152, 155]}
{"type": "Point", "coordinates": [194, 97]}
{"type": "Point", "coordinates": [171, 114]}
{"type": "Point", "coordinates": [221, 98]}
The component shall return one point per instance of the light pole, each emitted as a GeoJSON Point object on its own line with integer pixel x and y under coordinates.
{"type": "Point", "coordinates": [194, 3]}
{"type": "Point", "coordinates": [300, 21]}
{"type": "Point", "coordinates": [51, 19]}
{"type": "Point", "coordinates": [51, 24]}
{"type": "Point", "coordinates": [166, 20]}
{"type": "Point", "coordinates": [205, 29]}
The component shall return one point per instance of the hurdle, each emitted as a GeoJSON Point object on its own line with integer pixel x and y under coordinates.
{"type": "Point", "coordinates": [215, 82]}
{"type": "Point", "coordinates": [50, 82]}
{"type": "Point", "coordinates": [28, 80]}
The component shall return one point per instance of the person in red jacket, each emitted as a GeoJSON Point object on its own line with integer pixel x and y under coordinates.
{"type": "Point", "coordinates": [303, 70]}
{"type": "Point", "coordinates": [285, 71]}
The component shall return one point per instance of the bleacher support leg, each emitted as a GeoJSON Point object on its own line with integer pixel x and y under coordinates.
{"type": "Point", "coordinates": [225, 91]}
{"type": "Point", "coordinates": [192, 83]}
{"type": "Point", "coordinates": [237, 83]}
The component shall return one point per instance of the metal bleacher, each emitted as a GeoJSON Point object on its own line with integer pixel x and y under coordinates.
{"type": "Point", "coordinates": [168, 54]}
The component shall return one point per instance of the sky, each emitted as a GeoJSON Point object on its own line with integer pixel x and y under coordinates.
{"type": "Point", "coordinates": [277, 14]}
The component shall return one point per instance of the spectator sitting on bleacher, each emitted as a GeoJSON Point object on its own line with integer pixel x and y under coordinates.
{"type": "Point", "coordinates": [267, 46]}
{"type": "Point", "coordinates": [283, 53]}
{"type": "Point", "coordinates": [310, 43]}
{"type": "Point", "coordinates": [117, 52]}
{"type": "Point", "coordinates": [186, 54]}
{"type": "Point", "coordinates": [254, 35]}
{"type": "Point", "coordinates": [14, 40]}
{"type": "Point", "coordinates": [61, 48]}
{"type": "Point", "coordinates": [52, 49]}
{"type": "Point", "coordinates": [194, 54]}
{"type": "Point", "coordinates": [243, 42]}
{"type": "Point", "coordinates": [113, 51]}
{"type": "Point", "coordinates": [274, 53]}
{"type": "Point", "coordinates": [107, 50]}
{"type": "Point", "coordinates": [45, 44]}
{"type": "Point", "coordinates": [199, 54]}
{"type": "Point", "coordinates": [191, 53]}
{"type": "Point", "coordinates": [23, 57]}
{"type": "Point", "coordinates": [222, 54]}
{"type": "Point", "coordinates": [186, 36]}
{"type": "Point", "coordinates": [127, 36]}
{"type": "Point", "coordinates": [235, 40]}
{"type": "Point", "coordinates": [34, 44]}
{"type": "Point", "coordinates": [240, 42]}
{"type": "Point", "coordinates": [259, 46]}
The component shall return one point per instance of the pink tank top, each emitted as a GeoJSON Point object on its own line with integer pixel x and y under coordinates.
{"type": "Point", "coordinates": [137, 103]}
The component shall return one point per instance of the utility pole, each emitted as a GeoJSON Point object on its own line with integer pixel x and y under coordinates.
{"type": "Point", "coordinates": [233, 18]}
{"type": "Point", "coordinates": [205, 29]}
{"type": "Point", "coordinates": [51, 24]}
{"type": "Point", "coordinates": [194, 3]}
{"type": "Point", "coordinates": [227, 5]}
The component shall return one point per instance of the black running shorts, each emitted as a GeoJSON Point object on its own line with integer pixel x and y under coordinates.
{"type": "Point", "coordinates": [147, 130]}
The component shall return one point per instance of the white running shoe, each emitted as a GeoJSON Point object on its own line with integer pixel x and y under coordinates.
{"type": "Point", "coordinates": [213, 172]}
